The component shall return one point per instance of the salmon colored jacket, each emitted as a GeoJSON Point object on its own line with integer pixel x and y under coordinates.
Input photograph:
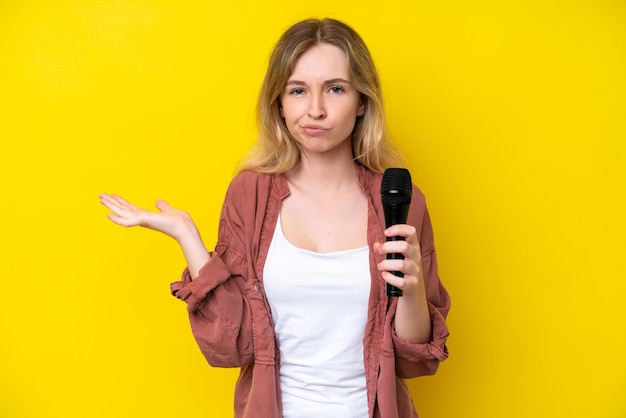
{"type": "Point", "coordinates": [231, 319]}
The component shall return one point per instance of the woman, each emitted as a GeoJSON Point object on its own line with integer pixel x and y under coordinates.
{"type": "Point", "coordinates": [294, 292]}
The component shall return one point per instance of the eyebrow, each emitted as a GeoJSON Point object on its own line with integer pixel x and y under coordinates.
{"type": "Point", "coordinates": [326, 82]}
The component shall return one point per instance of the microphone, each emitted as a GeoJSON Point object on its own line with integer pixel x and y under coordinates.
{"type": "Point", "coordinates": [396, 191]}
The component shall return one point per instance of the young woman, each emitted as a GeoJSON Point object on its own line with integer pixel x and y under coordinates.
{"type": "Point", "coordinates": [294, 292]}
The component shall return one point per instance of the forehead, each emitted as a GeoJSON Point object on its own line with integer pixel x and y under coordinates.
{"type": "Point", "coordinates": [322, 60]}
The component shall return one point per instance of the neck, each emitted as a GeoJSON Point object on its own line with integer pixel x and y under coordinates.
{"type": "Point", "coordinates": [323, 176]}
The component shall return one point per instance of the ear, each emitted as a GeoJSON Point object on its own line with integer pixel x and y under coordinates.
{"type": "Point", "coordinates": [360, 111]}
{"type": "Point", "coordinates": [280, 109]}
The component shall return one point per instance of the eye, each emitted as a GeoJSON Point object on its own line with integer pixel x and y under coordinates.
{"type": "Point", "coordinates": [336, 89]}
{"type": "Point", "coordinates": [297, 91]}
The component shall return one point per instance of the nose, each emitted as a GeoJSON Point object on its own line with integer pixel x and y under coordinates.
{"type": "Point", "coordinates": [317, 110]}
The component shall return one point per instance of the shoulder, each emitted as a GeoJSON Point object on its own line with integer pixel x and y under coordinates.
{"type": "Point", "coordinates": [249, 181]}
{"type": "Point", "coordinates": [252, 186]}
{"type": "Point", "coordinates": [248, 177]}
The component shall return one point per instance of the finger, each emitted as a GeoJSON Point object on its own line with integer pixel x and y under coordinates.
{"type": "Point", "coordinates": [162, 205]}
{"type": "Point", "coordinates": [123, 202]}
{"type": "Point", "coordinates": [392, 279]}
{"type": "Point", "coordinates": [105, 198]}
{"type": "Point", "coordinates": [110, 203]}
{"type": "Point", "coordinates": [118, 210]}
{"type": "Point", "coordinates": [123, 221]}
{"type": "Point", "coordinates": [401, 247]}
{"type": "Point", "coordinates": [394, 247]}
{"type": "Point", "coordinates": [408, 232]}
{"type": "Point", "coordinates": [406, 267]}
{"type": "Point", "coordinates": [116, 204]}
{"type": "Point", "coordinates": [403, 283]}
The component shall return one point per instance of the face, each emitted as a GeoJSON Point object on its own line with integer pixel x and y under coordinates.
{"type": "Point", "coordinates": [319, 103]}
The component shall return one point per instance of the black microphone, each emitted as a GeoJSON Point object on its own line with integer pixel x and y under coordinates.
{"type": "Point", "coordinates": [395, 191]}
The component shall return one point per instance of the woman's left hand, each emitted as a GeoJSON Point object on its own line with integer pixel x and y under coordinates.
{"type": "Point", "coordinates": [411, 266]}
{"type": "Point", "coordinates": [412, 319]}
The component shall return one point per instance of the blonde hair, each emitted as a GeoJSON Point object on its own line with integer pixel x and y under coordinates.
{"type": "Point", "coordinates": [276, 151]}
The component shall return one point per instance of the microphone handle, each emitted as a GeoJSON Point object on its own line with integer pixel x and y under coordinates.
{"type": "Point", "coordinates": [393, 291]}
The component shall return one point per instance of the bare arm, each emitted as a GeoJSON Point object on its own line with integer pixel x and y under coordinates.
{"type": "Point", "coordinates": [412, 321]}
{"type": "Point", "coordinates": [173, 222]}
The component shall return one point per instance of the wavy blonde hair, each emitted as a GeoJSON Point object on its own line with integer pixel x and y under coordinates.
{"type": "Point", "coordinates": [276, 151]}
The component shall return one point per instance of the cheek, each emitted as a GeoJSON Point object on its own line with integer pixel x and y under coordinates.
{"type": "Point", "coordinates": [289, 112]}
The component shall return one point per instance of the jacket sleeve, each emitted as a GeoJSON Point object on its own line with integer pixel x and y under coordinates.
{"type": "Point", "coordinates": [219, 313]}
{"type": "Point", "coordinates": [414, 360]}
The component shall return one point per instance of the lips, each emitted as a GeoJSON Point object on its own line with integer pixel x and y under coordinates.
{"type": "Point", "coordinates": [314, 129]}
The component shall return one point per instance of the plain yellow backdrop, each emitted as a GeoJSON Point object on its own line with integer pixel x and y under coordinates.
{"type": "Point", "coordinates": [511, 112]}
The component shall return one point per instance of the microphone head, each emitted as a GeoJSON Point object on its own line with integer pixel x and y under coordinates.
{"type": "Point", "coordinates": [396, 187]}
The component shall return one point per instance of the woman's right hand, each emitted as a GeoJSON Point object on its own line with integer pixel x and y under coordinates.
{"type": "Point", "coordinates": [173, 222]}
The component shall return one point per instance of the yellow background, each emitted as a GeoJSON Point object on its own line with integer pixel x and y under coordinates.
{"type": "Point", "coordinates": [513, 116]}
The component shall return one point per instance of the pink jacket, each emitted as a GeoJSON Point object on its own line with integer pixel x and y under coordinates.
{"type": "Point", "coordinates": [231, 320]}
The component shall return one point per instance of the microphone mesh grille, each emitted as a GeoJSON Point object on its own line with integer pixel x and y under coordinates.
{"type": "Point", "coordinates": [396, 187]}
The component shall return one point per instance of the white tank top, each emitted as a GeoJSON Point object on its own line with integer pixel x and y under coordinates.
{"type": "Point", "coordinates": [319, 307]}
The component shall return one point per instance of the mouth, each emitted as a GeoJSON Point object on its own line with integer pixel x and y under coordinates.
{"type": "Point", "coordinates": [314, 129]}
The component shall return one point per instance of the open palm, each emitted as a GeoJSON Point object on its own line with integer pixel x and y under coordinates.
{"type": "Point", "coordinates": [167, 220]}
